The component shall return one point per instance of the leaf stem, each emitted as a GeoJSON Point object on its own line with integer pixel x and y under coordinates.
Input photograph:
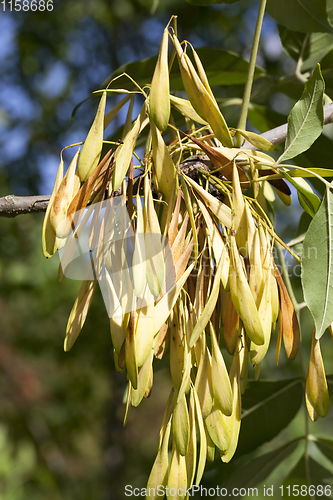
{"type": "Point", "coordinates": [250, 73]}
{"type": "Point", "coordinates": [302, 77]}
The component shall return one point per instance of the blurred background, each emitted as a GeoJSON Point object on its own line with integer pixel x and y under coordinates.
{"type": "Point", "coordinates": [61, 414]}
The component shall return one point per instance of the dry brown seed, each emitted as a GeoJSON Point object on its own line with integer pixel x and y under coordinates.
{"type": "Point", "coordinates": [288, 318]}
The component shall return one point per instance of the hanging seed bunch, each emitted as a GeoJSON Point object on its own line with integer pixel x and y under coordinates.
{"type": "Point", "coordinates": [201, 272]}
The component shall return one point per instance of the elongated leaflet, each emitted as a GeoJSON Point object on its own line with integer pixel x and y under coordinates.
{"type": "Point", "coordinates": [219, 209]}
{"type": "Point", "coordinates": [154, 243]}
{"type": "Point", "coordinates": [159, 100]}
{"type": "Point", "coordinates": [231, 327]}
{"type": "Point", "coordinates": [316, 383]}
{"type": "Point", "coordinates": [210, 305]}
{"type": "Point", "coordinates": [210, 446]}
{"type": "Point", "coordinates": [177, 247]}
{"type": "Point", "coordinates": [187, 354]}
{"type": "Point", "coordinates": [219, 247]}
{"type": "Point", "coordinates": [188, 204]}
{"type": "Point", "coordinates": [234, 421]}
{"type": "Point", "coordinates": [92, 147]}
{"type": "Point", "coordinates": [242, 297]}
{"type": "Point", "coordinates": [238, 220]}
{"type": "Point", "coordinates": [161, 341]}
{"type": "Point", "coordinates": [181, 426]}
{"type": "Point", "coordinates": [176, 349]}
{"type": "Point", "coordinates": [258, 352]}
{"type": "Point", "coordinates": [166, 415]}
{"type": "Point", "coordinates": [49, 244]}
{"type": "Point", "coordinates": [203, 379]}
{"type": "Point", "coordinates": [165, 305]}
{"type": "Point", "coordinates": [257, 140]}
{"type": "Point", "coordinates": [177, 480]}
{"type": "Point", "coordinates": [191, 456]}
{"type": "Point", "coordinates": [144, 328]}
{"type": "Point", "coordinates": [256, 281]}
{"type": "Point", "coordinates": [139, 254]}
{"type": "Point", "coordinates": [173, 226]}
{"type": "Point", "coordinates": [62, 200]}
{"type": "Point", "coordinates": [200, 99]}
{"type": "Point", "coordinates": [217, 429]}
{"type": "Point", "coordinates": [243, 361]}
{"type": "Point", "coordinates": [275, 298]}
{"type": "Point", "coordinates": [130, 354]}
{"type": "Point", "coordinates": [185, 108]}
{"type": "Point", "coordinates": [309, 406]}
{"type": "Point", "coordinates": [91, 188]}
{"type": "Point", "coordinates": [288, 320]}
{"type": "Point", "coordinates": [164, 167]}
{"type": "Point", "coordinates": [159, 472]}
{"type": "Point", "coordinates": [278, 340]}
{"type": "Point", "coordinates": [79, 313]}
{"type": "Point", "coordinates": [124, 152]}
{"type": "Point", "coordinates": [202, 438]}
{"type": "Point", "coordinates": [202, 74]}
{"type": "Point", "coordinates": [221, 386]}
{"type": "Point", "coordinates": [144, 374]}
{"type": "Point", "coordinates": [250, 229]}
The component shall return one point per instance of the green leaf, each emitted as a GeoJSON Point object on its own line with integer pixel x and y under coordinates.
{"type": "Point", "coordinates": [317, 266]}
{"type": "Point", "coordinates": [308, 469]}
{"type": "Point", "coordinates": [269, 406]}
{"type": "Point", "coordinates": [300, 15]}
{"type": "Point", "coordinates": [314, 46]}
{"type": "Point", "coordinates": [222, 68]}
{"type": "Point", "coordinates": [326, 447]}
{"type": "Point", "coordinates": [306, 119]}
{"type": "Point", "coordinates": [308, 200]}
{"type": "Point", "coordinates": [260, 468]}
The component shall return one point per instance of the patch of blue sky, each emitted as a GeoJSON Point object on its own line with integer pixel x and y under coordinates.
{"type": "Point", "coordinates": [7, 30]}
{"type": "Point", "coordinates": [53, 82]}
{"type": "Point", "coordinates": [16, 103]}
{"type": "Point", "coordinates": [14, 144]}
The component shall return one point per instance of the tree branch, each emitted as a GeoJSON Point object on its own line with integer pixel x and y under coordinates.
{"type": "Point", "coordinates": [11, 206]}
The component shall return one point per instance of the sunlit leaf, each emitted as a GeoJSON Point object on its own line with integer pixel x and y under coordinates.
{"type": "Point", "coordinates": [315, 48]}
{"type": "Point", "coordinates": [306, 119]}
{"type": "Point", "coordinates": [317, 266]}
